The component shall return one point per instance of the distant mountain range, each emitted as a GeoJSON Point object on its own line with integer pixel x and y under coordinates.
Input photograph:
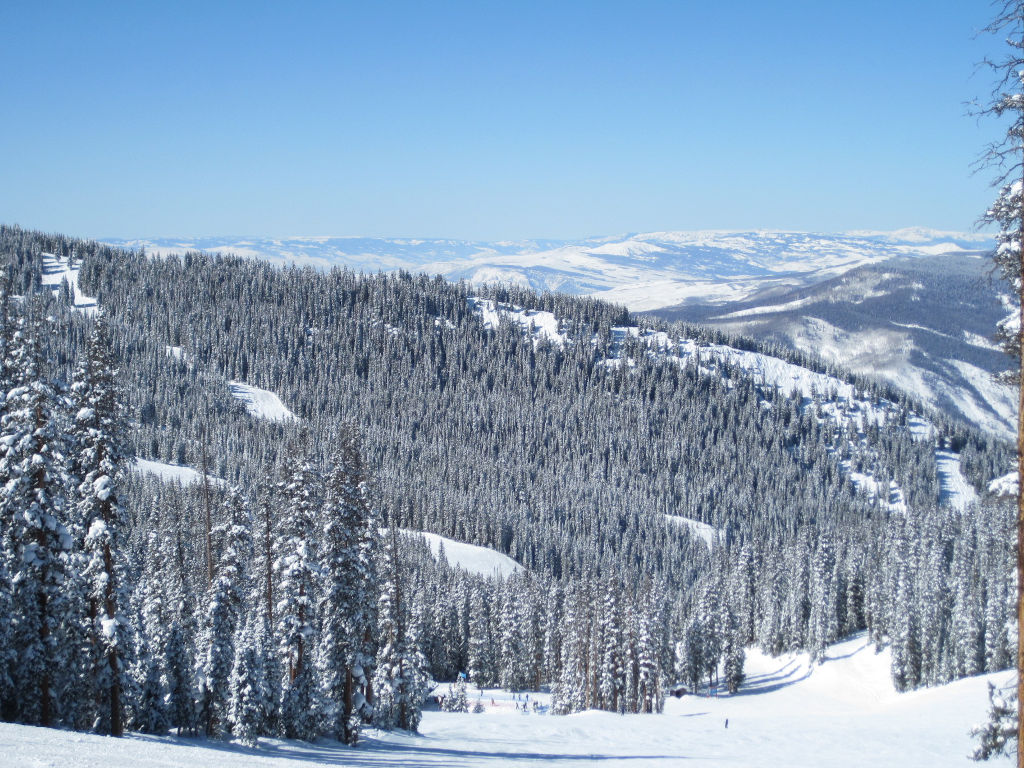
{"type": "Point", "coordinates": [643, 271]}
{"type": "Point", "coordinates": [916, 307]}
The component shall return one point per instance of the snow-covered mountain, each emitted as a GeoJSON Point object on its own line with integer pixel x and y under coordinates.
{"type": "Point", "coordinates": [643, 271]}
{"type": "Point", "coordinates": [915, 307]}
{"type": "Point", "coordinates": [924, 324]}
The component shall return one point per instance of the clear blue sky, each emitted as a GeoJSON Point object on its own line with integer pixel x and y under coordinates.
{"type": "Point", "coordinates": [489, 120]}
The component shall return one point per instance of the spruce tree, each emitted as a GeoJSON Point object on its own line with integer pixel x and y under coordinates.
{"type": "Point", "coordinates": [34, 502]}
{"type": "Point", "coordinates": [99, 434]}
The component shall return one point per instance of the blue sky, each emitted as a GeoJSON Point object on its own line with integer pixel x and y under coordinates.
{"type": "Point", "coordinates": [490, 120]}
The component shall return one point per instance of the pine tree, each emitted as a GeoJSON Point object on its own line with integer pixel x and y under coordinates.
{"type": "Point", "coordinates": [224, 611]}
{"type": "Point", "coordinates": [481, 652]}
{"type": "Point", "coordinates": [456, 700]}
{"type": "Point", "coordinates": [34, 502]}
{"type": "Point", "coordinates": [99, 433]}
{"type": "Point", "coordinates": [248, 692]}
{"type": "Point", "coordinates": [297, 568]}
{"type": "Point", "coordinates": [398, 680]}
{"type": "Point", "coordinates": [345, 608]}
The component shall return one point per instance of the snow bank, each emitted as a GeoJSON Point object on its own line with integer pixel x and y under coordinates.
{"type": "Point", "coordinates": [261, 403]}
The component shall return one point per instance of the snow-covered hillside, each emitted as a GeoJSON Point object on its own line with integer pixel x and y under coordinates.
{"type": "Point", "coordinates": [470, 557]}
{"type": "Point", "coordinates": [56, 271]}
{"type": "Point", "coordinates": [924, 325]}
{"type": "Point", "coordinates": [643, 271]}
{"type": "Point", "coordinates": [261, 403]}
{"type": "Point", "coordinates": [706, 533]}
{"type": "Point", "coordinates": [172, 473]}
{"type": "Point", "coordinates": [830, 397]}
{"type": "Point", "coordinates": [791, 713]}
{"type": "Point", "coordinates": [754, 278]}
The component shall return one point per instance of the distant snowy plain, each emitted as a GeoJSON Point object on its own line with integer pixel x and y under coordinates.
{"type": "Point", "coordinates": [843, 713]}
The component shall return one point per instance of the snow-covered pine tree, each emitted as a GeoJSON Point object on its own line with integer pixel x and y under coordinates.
{"type": "Point", "coordinates": [512, 664]}
{"type": "Point", "coordinates": [571, 692]}
{"type": "Point", "coordinates": [398, 682]}
{"type": "Point", "coordinates": [98, 434]}
{"type": "Point", "coordinates": [733, 653]}
{"type": "Point", "coordinates": [33, 500]}
{"type": "Point", "coordinates": [224, 611]}
{"type": "Point", "coordinates": [8, 565]}
{"type": "Point", "coordinates": [456, 700]}
{"type": "Point", "coordinates": [297, 568]}
{"type": "Point", "coordinates": [247, 686]}
{"type": "Point", "coordinates": [650, 693]}
{"type": "Point", "coordinates": [348, 589]}
{"type": "Point", "coordinates": [611, 672]}
{"type": "Point", "coordinates": [481, 649]}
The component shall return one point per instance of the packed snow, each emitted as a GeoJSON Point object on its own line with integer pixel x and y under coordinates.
{"type": "Point", "coordinates": [791, 713]}
{"type": "Point", "coordinates": [261, 403]}
{"type": "Point", "coordinates": [470, 557]}
{"type": "Point", "coordinates": [172, 473]}
{"type": "Point", "coordinates": [56, 271]}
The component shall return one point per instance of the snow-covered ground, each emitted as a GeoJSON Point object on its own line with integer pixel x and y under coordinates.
{"type": "Point", "coordinates": [708, 533]}
{"type": "Point", "coordinates": [261, 403]}
{"type": "Point", "coordinates": [470, 557]}
{"type": "Point", "coordinates": [539, 324]}
{"type": "Point", "coordinates": [172, 473]}
{"type": "Point", "coordinates": [1005, 485]}
{"type": "Point", "coordinates": [55, 271]}
{"type": "Point", "coordinates": [955, 490]}
{"type": "Point", "coordinates": [843, 713]}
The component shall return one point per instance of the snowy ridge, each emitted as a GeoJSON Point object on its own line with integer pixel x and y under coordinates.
{"type": "Point", "coordinates": [173, 473]}
{"type": "Point", "coordinates": [469, 557]}
{"type": "Point", "coordinates": [790, 713]}
{"type": "Point", "coordinates": [56, 271]}
{"type": "Point", "coordinates": [261, 403]}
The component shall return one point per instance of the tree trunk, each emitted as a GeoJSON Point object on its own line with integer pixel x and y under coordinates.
{"type": "Point", "coordinates": [116, 727]}
{"type": "Point", "coordinates": [346, 709]}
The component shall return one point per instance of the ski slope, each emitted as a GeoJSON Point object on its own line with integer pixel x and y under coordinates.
{"type": "Point", "coordinates": [470, 557]}
{"type": "Point", "coordinates": [791, 713]}
{"type": "Point", "coordinates": [261, 403]}
{"type": "Point", "coordinates": [55, 271]}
